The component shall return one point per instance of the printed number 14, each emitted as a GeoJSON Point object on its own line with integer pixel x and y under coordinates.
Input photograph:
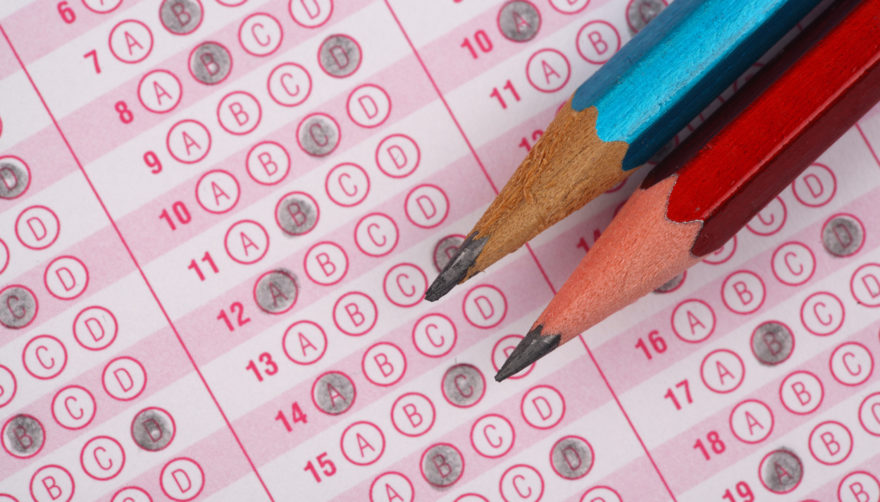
{"type": "Point", "coordinates": [296, 416]}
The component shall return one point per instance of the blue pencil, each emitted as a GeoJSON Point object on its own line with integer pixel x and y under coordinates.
{"type": "Point", "coordinates": [616, 120]}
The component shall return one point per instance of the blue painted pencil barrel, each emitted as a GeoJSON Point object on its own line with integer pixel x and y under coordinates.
{"type": "Point", "coordinates": [668, 73]}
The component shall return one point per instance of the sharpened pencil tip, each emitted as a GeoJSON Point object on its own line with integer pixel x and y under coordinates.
{"type": "Point", "coordinates": [457, 268]}
{"type": "Point", "coordinates": [531, 348]}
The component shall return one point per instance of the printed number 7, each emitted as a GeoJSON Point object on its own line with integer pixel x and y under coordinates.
{"type": "Point", "coordinates": [94, 55]}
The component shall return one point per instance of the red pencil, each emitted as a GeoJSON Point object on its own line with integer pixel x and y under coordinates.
{"type": "Point", "coordinates": [720, 177]}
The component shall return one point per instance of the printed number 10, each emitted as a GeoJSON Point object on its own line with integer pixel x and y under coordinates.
{"type": "Point", "coordinates": [180, 212]}
{"type": "Point", "coordinates": [481, 41]}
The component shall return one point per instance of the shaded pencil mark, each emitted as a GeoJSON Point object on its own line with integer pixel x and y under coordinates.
{"type": "Point", "coordinates": [457, 268]}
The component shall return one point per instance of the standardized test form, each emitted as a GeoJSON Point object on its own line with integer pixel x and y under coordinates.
{"type": "Point", "coordinates": [218, 219]}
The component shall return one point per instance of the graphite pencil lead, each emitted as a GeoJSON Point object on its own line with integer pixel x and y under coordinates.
{"type": "Point", "coordinates": [531, 348]}
{"type": "Point", "coordinates": [457, 269]}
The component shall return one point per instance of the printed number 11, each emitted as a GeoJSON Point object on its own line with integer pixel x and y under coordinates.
{"type": "Point", "coordinates": [508, 86]}
{"type": "Point", "coordinates": [206, 258]}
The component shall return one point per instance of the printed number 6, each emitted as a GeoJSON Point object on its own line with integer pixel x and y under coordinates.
{"type": "Point", "coordinates": [66, 13]}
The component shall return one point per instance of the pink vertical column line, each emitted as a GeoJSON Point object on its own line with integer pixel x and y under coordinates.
{"type": "Point", "coordinates": [628, 420]}
{"type": "Point", "coordinates": [136, 264]}
{"type": "Point", "coordinates": [461, 131]}
{"type": "Point", "coordinates": [534, 257]}
{"type": "Point", "coordinates": [868, 144]}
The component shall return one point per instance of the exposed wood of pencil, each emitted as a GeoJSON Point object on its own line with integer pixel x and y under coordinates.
{"type": "Point", "coordinates": [731, 177]}
{"type": "Point", "coordinates": [621, 116]}
{"type": "Point", "coordinates": [813, 92]}
{"type": "Point", "coordinates": [566, 168]}
{"type": "Point", "coordinates": [637, 254]}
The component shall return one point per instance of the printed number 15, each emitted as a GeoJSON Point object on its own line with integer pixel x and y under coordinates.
{"type": "Point", "coordinates": [327, 467]}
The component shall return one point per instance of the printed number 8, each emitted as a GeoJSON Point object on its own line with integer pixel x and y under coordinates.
{"type": "Point", "coordinates": [125, 114]}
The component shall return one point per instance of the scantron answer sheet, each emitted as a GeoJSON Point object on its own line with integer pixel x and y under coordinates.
{"type": "Point", "coordinates": [218, 219]}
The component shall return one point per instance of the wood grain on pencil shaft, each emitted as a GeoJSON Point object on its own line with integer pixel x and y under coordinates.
{"type": "Point", "coordinates": [744, 155]}
{"type": "Point", "coordinates": [547, 187]}
{"type": "Point", "coordinates": [752, 148]}
{"type": "Point", "coordinates": [626, 262]}
{"type": "Point", "coordinates": [621, 116]}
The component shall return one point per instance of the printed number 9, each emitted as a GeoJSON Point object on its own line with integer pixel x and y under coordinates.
{"type": "Point", "coordinates": [152, 161]}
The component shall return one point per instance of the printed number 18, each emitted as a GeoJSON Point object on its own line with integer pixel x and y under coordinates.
{"type": "Point", "coordinates": [714, 444]}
